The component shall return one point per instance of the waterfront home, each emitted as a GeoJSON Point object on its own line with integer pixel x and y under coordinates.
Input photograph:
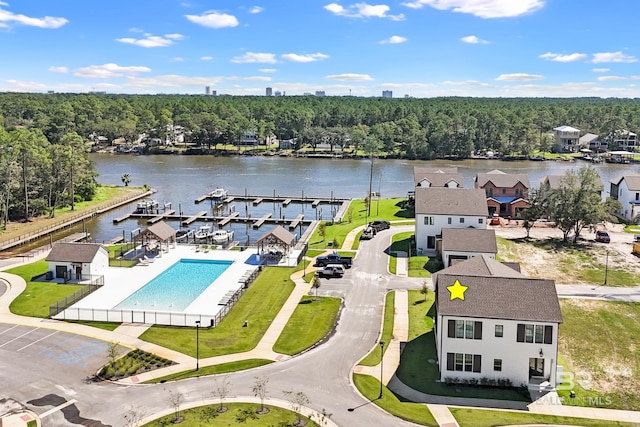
{"type": "Point", "coordinates": [626, 190]}
{"type": "Point", "coordinates": [494, 323]}
{"type": "Point", "coordinates": [506, 192]}
{"type": "Point", "coordinates": [566, 139]}
{"type": "Point", "coordinates": [623, 140]}
{"type": "Point", "coordinates": [77, 261]}
{"type": "Point", "coordinates": [437, 177]}
{"type": "Point", "coordinates": [439, 207]}
{"type": "Point", "coordinates": [459, 244]}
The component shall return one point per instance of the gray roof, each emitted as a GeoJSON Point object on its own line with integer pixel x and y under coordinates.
{"type": "Point", "coordinates": [553, 180]}
{"type": "Point", "coordinates": [279, 233]}
{"type": "Point", "coordinates": [588, 137]}
{"type": "Point", "coordinates": [439, 179]}
{"type": "Point", "coordinates": [422, 169]}
{"type": "Point", "coordinates": [500, 293]}
{"type": "Point", "coordinates": [501, 179]}
{"type": "Point", "coordinates": [447, 201]}
{"type": "Point", "coordinates": [73, 252]}
{"type": "Point", "coordinates": [469, 240]}
{"type": "Point", "coordinates": [633, 182]}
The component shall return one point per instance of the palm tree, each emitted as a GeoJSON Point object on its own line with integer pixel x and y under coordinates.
{"type": "Point", "coordinates": [126, 179]}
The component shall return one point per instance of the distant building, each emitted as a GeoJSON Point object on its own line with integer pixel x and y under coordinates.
{"type": "Point", "coordinates": [387, 94]}
{"type": "Point", "coordinates": [567, 139]}
{"type": "Point", "coordinates": [214, 93]}
{"type": "Point", "coordinates": [277, 93]}
{"type": "Point", "coordinates": [320, 93]}
{"type": "Point", "coordinates": [269, 91]}
{"type": "Point", "coordinates": [207, 90]}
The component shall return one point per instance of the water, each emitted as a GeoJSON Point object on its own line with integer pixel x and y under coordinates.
{"type": "Point", "coordinates": [176, 287]}
{"type": "Point", "coordinates": [181, 179]}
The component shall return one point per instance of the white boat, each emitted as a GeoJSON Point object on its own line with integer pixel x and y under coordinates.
{"type": "Point", "coordinates": [145, 206]}
{"type": "Point", "coordinates": [204, 232]}
{"type": "Point", "coordinates": [218, 194]}
{"type": "Point", "coordinates": [222, 236]}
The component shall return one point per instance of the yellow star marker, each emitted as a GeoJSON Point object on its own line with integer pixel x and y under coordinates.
{"type": "Point", "coordinates": [457, 290]}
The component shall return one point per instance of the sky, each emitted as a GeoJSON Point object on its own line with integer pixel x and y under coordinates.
{"type": "Point", "coordinates": [415, 48]}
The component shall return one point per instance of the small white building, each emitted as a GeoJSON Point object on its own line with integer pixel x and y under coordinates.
{"type": "Point", "coordinates": [459, 244]}
{"type": "Point", "coordinates": [77, 261]}
{"type": "Point", "coordinates": [493, 322]}
{"type": "Point", "coordinates": [626, 190]}
{"type": "Point", "coordinates": [441, 207]}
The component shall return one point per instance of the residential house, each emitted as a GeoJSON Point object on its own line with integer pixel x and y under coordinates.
{"type": "Point", "coordinates": [550, 182]}
{"type": "Point", "coordinates": [437, 177]}
{"type": "Point", "coordinates": [624, 140]}
{"type": "Point", "coordinates": [566, 139]}
{"type": "Point", "coordinates": [493, 322]}
{"type": "Point", "coordinates": [593, 142]}
{"type": "Point", "coordinates": [459, 244]}
{"type": "Point", "coordinates": [626, 190]}
{"type": "Point", "coordinates": [77, 261]}
{"type": "Point", "coordinates": [439, 207]}
{"type": "Point", "coordinates": [506, 193]}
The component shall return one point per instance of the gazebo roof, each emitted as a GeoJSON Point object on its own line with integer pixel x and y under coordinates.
{"type": "Point", "coordinates": [280, 234]}
{"type": "Point", "coordinates": [161, 230]}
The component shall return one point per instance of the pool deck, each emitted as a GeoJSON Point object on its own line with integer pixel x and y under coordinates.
{"type": "Point", "coordinates": [120, 283]}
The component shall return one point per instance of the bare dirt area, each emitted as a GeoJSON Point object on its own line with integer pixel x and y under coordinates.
{"type": "Point", "coordinates": [544, 256]}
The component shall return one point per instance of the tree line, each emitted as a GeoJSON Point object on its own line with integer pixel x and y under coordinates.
{"type": "Point", "coordinates": [412, 128]}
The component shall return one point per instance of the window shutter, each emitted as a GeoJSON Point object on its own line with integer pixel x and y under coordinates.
{"type": "Point", "coordinates": [450, 361]}
{"type": "Point", "coordinates": [477, 362]}
{"type": "Point", "coordinates": [520, 337]}
{"type": "Point", "coordinates": [477, 331]}
{"type": "Point", "coordinates": [451, 333]}
{"type": "Point", "coordinates": [548, 334]}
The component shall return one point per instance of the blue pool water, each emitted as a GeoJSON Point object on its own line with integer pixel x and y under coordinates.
{"type": "Point", "coordinates": [176, 287]}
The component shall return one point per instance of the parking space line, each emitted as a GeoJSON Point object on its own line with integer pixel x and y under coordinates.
{"type": "Point", "coordinates": [37, 341]}
{"type": "Point", "coordinates": [7, 330]}
{"type": "Point", "coordinates": [17, 338]}
{"type": "Point", "coordinates": [57, 408]}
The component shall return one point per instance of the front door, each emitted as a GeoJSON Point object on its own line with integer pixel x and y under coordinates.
{"type": "Point", "coordinates": [431, 242]}
{"type": "Point", "coordinates": [536, 367]}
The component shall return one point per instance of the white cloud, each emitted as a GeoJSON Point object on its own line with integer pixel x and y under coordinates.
{"type": "Point", "coordinates": [394, 40]}
{"type": "Point", "coordinates": [481, 8]}
{"type": "Point", "coordinates": [267, 70]}
{"type": "Point", "coordinates": [611, 78]}
{"type": "Point", "coordinates": [250, 78]}
{"type": "Point", "coordinates": [518, 77]}
{"type": "Point", "coordinates": [253, 57]}
{"type": "Point", "coordinates": [206, 58]}
{"type": "Point", "coordinates": [177, 59]}
{"type": "Point", "coordinates": [7, 18]}
{"type": "Point", "coordinates": [106, 71]}
{"type": "Point", "coordinates": [612, 57]}
{"type": "Point", "coordinates": [558, 57]}
{"type": "Point", "coordinates": [350, 77]}
{"type": "Point", "coordinates": [172, 80]}
{"type": "Point", "coordinates": [256, 9]}
{"type": "Point", "coordinates": [363, 10]}
{"type": "Point", "coordinates": [600, 70]}
{"type": "Point", "coordinates": [312, 57]}
{"type": "Point", "coordinates": [466, 83]}
{"type": "Point", "coordinates": [213, 19]}
{"type": "Point", "coordinates": [150, 40]}
{"type": "Point", "coordinates": [473, 40]}
{"type": "Point", "coordinates": [55, 69]}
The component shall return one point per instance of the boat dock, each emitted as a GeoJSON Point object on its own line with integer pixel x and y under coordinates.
{"type": "Point", "coordinates": [193, 218]}
{"type": "Point", "coordinates": [261, 221]}
{"type": "Point", "coordinates": [296, 222]}
{"type": "Point", "coordinates": [228, 219]}
{"type": "Point", "coordinates": [285, 200]}
{"type": "Point", "coordinates": [160, 217]}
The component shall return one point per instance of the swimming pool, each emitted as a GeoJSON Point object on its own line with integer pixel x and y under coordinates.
{"type": "Point", "coordinates": [176, 287]}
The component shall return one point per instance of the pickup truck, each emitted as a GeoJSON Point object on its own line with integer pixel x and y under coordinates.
{"type": "Point", "coordinates": [322, 261]}
{"type": "Point", "coordinates": [332, 270]}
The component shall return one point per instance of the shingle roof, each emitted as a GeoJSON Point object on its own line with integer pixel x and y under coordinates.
{"type": "Point", "coordinates": [279, 233]}
{"type": "Point", "coordinates": [446, 201]}
{"type": "Point", "coordinates": [553, 180]}
{"type": "Point", "coordinates": [439, 179]}
{"type": "Point", "coordinates": [469, 240]}
{"type": "Point", "coordinates": [633, 182]}
{"type": "Point", "coordinates": [73, 252]}
{"type": "Point", "coordinates": [501, 179]}
{"type": "Point", "coordinates": [501, 294]}
{"type": "Point", "coordinates": [566, 128]}
{"type": "Point", "coordinates": [422, 169]}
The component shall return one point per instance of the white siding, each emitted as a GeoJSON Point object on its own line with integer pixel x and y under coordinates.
{"type": "Point", "coordinates": [422, 231]}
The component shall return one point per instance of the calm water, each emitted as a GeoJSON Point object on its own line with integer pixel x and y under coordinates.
{"type": "Point", "coordinates": [181, 179]}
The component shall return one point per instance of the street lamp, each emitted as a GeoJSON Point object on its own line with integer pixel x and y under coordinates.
{"type": "Point", "coordinates": [197, 345]}
{"type": "Point", "coordinates": [381, 370]}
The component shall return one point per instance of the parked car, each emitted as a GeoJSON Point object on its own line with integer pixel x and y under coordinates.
{"type": "Point", "coordinates": [334, 258]}
{"type": "Point", "coordinates": [368, 233]}
{"type": "Point", "coordinates": [379, 225]}
{"type": "Point", "coordinates": [331, 270]}
{"type": "Point", "coordinates": [495, 220]}
{"type": "Point", "coordinates": [602, 237]}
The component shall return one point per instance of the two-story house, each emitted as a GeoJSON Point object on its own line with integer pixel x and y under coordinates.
{"type": "Point", "coordinates": [506, 192]}
{"type": "Point", "coordinates": [493, 322]}
{"type": "Point", "coordinates": [438, 207]}
{"type": "Point", "coordinates": [459, 244]}
{"type": "Point", "coordinates": [624, 140]}
{"type": "Point", "coordinates": [437, 177]}
{"type": "Point", "coordinates": [566, 139]}
{"type": "Point", "coordinates": [626, 190]}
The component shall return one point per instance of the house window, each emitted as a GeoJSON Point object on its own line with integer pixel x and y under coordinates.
{"type": "Point", "coordinates": [428, 220]}
{"type": "Point", "coordinates": [497, 364]}
{"type": "Point", "coordinates": [461, 220]}
{"type": "Point", "coordinates": [459, 328]}
{"type": "Point", "coordinates": [499, 331]}
{"type": "Point", "coordinates": [637, 196]}
{"type": "Point", "coordinates": [464, 362]}
{"type": "Point", "coordinates": [504, 191]}
{"type": "Point", "coordinates": [449, 220]}
{"type": "Point", "coordinates": [467, 329]}
{"type": "Point", "coordinates": [518, 192]}
{"type": "Point", "coordinates": [489, 192]}
{"type": "Point", "coordinates": [480, 220]}
{"type": "Point", "coordinates": [540, 334]}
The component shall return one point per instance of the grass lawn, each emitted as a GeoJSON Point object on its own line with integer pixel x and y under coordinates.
{"type": "Point", "coordinates": [310, 323]}
{"type": "Point", "coordinates": [633, 229]}
{"type": "Point", "coordinates": [223, 368]}
{"type": "Point", "coordinates": [373, 358]}
{"type": "Point", "coordinates": [488, 418]}
{"type": "Point", "coordinates": [419, 266]}
{"type": "Point", "coordinates": [598, 343]}
{"type": "Point", "coordinates": [413, 412]}
{"type": "Point", "coordinates": [108, 326]}
{"type": "Point", "coordinates": [400, 242]}
{"type": "Point", "coordinates": [38, 296]}
{"type": "Point", "coordinates": [237, 414]}
{"type": "Point", "coordinates": [259, 306]}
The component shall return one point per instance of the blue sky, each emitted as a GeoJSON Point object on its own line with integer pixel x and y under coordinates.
{"type": "Point", "coordinates": [420, 48]}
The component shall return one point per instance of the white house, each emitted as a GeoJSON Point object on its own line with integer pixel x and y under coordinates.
{"type": "Point", "coordinates": [439, 207]}
{"type": "Point", "coordinates": [495, 323]}
{"type": "Point", "coordinates": [77, 261]}
{"type": "Point", "coordinates": [566, 139]}
{"type": "Point", "coordinates": [463, 243]}
{"type": "Point", "coordinates": [626, 190]}
{"type": "Point", "coordinates": [437, 177]}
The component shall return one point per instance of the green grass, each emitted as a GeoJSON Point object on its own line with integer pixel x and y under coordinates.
{"type": "Point", "coordinates": [222, 368]}
{"type": "Point", "coordinates": [373, 358]}
{"type": "Point", "coordinates": [413, 412]}
{"type": "Point", "coordinates": [632, 228]}
{"type": "Point", "coordinates": [38, 296]}
{"type": "Point", "coordinates": [419, 266]}
{"type": "Point", "coordinates": [207, 415]}
{"type": "Point", "coordinates": [133, 363]}
{"type": "Point", "coordinates": [598, 340]}
{"type": "Point", "coordinates": [311, 321]}
{"type": "Point", "coordinates": [312, 253]}
{"type": "Point", "coordinates": [400, 242]}
{"type": "Point", "coordinates": [488, 418]}
{"type": "Point", "coordinates": [107, 326]}
{"type": "Point", "coordinates": [259, 306]}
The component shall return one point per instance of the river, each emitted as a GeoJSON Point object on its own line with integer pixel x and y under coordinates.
{"type": "Point", "coordinates": [181, 179]}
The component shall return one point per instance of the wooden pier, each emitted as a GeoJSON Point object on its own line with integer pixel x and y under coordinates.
{"type": "Point", "coordinates": [161, 216]}
{"type": "Point", "coordinates": [261, 221]}
{"type": "Point", "coordinates": [296, 222]}
{"type": "Point", "coordinates": [285, 200]}
{"type": "Point", "coordinates": [228, 219]}
{"type": "Point", "coordinates": [257, 201]}
{"type": "Point", "coordinates": [193, 218]}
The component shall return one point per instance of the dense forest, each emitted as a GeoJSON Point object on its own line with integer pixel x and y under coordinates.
{"type": "Point", "coordinates": [411, 128]}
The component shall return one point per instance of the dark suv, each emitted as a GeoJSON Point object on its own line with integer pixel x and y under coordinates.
{"type": "Point", "coordinates": [603, 237]}
{"type": "Point", "coordinates": [379, 225]}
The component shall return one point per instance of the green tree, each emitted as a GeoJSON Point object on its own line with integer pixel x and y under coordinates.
{"type": "Point", "coordinates": [126, 179]}
{"type": "Point", "coordinates": [537, 207]}
{"type": "Point", "coordinates": [315, 284]}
